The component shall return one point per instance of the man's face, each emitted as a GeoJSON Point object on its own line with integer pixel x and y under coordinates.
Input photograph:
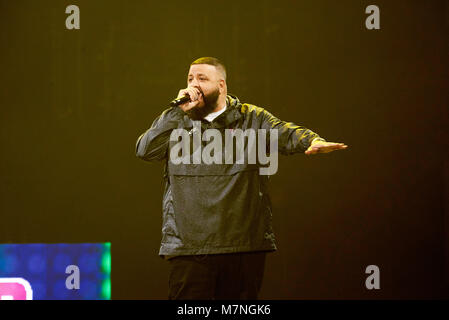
{"type": "Point", "coordinates": [207, 79]}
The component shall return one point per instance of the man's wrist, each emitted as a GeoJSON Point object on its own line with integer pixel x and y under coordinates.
{"type": "Point", "coordinates": [317, 140]}
{"type": "Point", "coordinates": [178, 111]}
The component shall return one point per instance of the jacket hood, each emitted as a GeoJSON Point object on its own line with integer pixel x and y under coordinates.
{"type": "Point", "coordinates": [232, 101]}
{"type": "Point", "coordinates": [232, 112]}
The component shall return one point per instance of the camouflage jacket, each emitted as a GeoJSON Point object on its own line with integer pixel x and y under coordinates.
{"type": "Point", "coordinates": [217, 208]}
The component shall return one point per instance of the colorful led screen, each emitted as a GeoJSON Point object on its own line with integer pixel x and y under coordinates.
{"type": "Point", "coordinates": [55, 271]}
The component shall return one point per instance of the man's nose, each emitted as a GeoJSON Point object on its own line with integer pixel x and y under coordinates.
{"type": "Point", "coordinates": [194, 83]}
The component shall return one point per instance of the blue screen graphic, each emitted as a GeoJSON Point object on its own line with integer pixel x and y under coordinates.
{"type": "Point", "coordinates": [46, 267]}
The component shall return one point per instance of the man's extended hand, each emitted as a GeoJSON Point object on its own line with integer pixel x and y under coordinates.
{"type": "Point", "coordinates": [318, 146]}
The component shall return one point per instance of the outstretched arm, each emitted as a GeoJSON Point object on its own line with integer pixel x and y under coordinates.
{"type": "Point", "coordinates": [294, 138]}
{"type": "Point", "coordinates": [291, 137]}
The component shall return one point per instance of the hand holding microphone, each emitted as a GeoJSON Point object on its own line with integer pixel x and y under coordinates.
{"type": "Point", "coordinates": [188, 98]}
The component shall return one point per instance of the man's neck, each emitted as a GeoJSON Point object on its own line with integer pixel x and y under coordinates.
{"type": "Point", "coordinates": [201, 113]}
{"type": "Point", "coordinates": [221, 103]}
{"type": "Point", "coordinates": [211, 116]}
{"type": "Point", "coordinates": [218, 108]}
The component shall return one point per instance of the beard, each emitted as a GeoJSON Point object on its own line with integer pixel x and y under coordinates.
{"type": "Point", "coordinates": [210, 103]}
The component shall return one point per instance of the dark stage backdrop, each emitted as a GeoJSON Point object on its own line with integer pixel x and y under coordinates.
{"type": "Point", "coordinates": [73, 103]}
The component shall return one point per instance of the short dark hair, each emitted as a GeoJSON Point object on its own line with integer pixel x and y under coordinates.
{"type": "Point", "coordinates": [213, 62]}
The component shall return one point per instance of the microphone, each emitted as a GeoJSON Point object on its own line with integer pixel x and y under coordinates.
{"type": "Point", "coordinates": [180, 100]}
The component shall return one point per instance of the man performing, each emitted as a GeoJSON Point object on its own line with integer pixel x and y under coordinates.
{"type": "Point", "coordinates": [216, 222]}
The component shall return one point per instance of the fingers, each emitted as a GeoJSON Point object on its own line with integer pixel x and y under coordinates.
{"type": "Point", "coordinates": [312, 151]}
{"type": "Point", "coordinates": [195, 98]}
{"type": "Point", "coordinates": [329, 147]}
{"type": "Point", "coordinates": [338, 144]}
{"type": "Point", "coordinates": [192, 92]}
{"type": "Point", "coordinates": [338, 147]}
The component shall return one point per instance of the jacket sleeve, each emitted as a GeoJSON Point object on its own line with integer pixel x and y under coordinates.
{"type": "Point", "coordinates": [153, 144]}
{"type": "Point", "coordinates": [291, 137]}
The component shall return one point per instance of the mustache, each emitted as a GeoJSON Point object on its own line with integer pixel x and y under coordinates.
{"type": "Point", "coordinates": [201, 91]}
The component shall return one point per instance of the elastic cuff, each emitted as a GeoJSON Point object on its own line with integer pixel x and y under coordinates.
{"type": "Point", "coordinates": [319, 139]}
{"type": "Point", "coordinates": [178, 111]}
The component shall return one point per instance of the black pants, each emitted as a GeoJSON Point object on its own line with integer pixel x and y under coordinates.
{"type": "Point", "coordinates": [232, 276]}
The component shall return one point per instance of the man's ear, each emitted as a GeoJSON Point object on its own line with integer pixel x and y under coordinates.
{"type": "Point", "coordinates": [222, 85]}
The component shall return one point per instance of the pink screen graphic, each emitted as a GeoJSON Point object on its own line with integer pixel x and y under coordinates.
{"type": "Point", "coordinates": [15, 289]}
